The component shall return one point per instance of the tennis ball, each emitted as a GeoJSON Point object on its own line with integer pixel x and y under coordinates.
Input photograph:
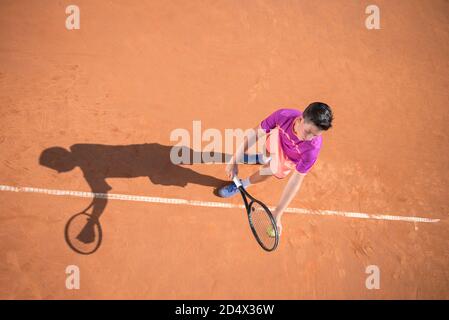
{"type": "Point", "coordinates": [270, 232]}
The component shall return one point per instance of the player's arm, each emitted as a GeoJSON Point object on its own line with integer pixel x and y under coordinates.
{"type": "Point", "coordinates": [253, 136]}
{"type": "Point", "coordinates": [248, 141]}
{"type": "Point", "coordinates": [290, 190]}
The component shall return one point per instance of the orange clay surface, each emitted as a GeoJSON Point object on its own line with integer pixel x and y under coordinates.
{"type": "Point", "coordinates": [136, 70]}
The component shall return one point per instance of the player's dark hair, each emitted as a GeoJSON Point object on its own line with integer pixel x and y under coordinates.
{"type": "Point", "coordinates": [320, 114]}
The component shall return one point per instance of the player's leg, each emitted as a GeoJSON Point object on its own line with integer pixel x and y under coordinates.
{"type": "Point", "coordinates": [258, 158]}
{"type": "Point", "coordinates": [261, 175]}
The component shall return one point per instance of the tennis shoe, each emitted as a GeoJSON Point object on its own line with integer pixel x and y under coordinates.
{"type": "Point", "coordinates": [228, 190]}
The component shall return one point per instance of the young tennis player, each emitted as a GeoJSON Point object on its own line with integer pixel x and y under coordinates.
{"type": "Point", "coordinates": [293, 142]}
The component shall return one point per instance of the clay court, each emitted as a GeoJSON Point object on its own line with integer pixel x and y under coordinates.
{"type": "Point", "coordinates": [113, 91]}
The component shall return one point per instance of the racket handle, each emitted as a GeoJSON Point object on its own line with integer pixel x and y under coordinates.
{"type": "Point", "coordinates": [237, 181]}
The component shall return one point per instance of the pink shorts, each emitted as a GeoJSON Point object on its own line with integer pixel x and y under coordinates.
{"type": "Point", "coordinates": [280, 165]}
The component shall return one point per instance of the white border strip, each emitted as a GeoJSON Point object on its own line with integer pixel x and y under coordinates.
{"type": "Point", "coordinates": [198, 203]}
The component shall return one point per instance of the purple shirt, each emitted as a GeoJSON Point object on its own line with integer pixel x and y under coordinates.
{"type": "Point", "coordinates": [302, 153]}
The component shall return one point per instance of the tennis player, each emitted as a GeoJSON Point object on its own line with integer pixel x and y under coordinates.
{"type": "Point", "coordinates": [293, 142]}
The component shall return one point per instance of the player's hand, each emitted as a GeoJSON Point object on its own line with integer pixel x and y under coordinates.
{"type": "Point", "coordinates": [279, 225]}
{"type": "Point", "coordinates": [277, 217]}
{"type": "Point", "coordinates": [231, 170]}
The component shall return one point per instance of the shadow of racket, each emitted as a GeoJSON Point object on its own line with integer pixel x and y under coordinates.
{"type": "Point", "coordinates": [83, 232]}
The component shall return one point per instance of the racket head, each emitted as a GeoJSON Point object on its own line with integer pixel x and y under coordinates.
{"type": "Point", "coordinates": [263, 225]}
{"type": "Point", "coordinates": [83, 233]}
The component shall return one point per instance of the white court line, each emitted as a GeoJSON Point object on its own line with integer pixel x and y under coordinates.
{"type": "Point", "coordinates": [198, 203]}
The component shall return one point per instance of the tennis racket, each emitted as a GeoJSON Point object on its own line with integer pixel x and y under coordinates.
{"type": "Point", "coordinates": [261, 220]}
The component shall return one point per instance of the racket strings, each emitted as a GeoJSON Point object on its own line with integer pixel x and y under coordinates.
{"type": "Point", "coordinates": [263, 226]}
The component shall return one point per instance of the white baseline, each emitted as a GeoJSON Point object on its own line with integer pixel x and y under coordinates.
{"type": "Point", "coordinates": [197, 203]}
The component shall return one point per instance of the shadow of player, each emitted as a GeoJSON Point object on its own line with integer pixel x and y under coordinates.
{"type": "Point", "coordinates": [99, 162]}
